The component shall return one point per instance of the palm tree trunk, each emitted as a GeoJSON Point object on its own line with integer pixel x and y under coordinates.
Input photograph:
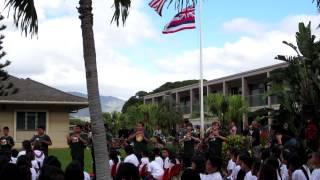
{"type": "Point", "coordinates": [89, 52]}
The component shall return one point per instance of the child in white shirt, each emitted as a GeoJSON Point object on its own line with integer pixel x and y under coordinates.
{"type": "Point", "coordinates": [131, 158]}
{"type": "Point", "coordinates": [14, 156]}
{"type": "Point", "coordinates": [158, 158]}
{"type": "Point", "coordinates": [213, 167]}
{"type": "Point", "coordinates": [315, 161]}
{"type": "Point", "coordinates": [154, 169]}
{"type": "Point", "coordinates": [144, 160]}
{"type": "Point", "coordinates": [231, 163]}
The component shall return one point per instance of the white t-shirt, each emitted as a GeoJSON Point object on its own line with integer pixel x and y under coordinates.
{"type": "Point", "coordinates": [213, 176]}
{"type": "Point", "coordinates": [21, 153]}
{"type": "Point", "coordinates": [86, 176]}
{"type": "Point", "coordinates": [284, 172]}
{"type": "Point", "coordinates": [39, 156]}
{"type": "Point", "coordinates": [35, 165]}
{"type": "Point", "coordinates": [231, 165]}
{"type": "Point", "coordinates": [315, 174]}
{"type": "Point", "coordinates": [159, 160]}
{"type": "Point", "coordinates": [13, 160]}
{"type": "Point", "coordinates": [167, 163]}
{"type": "Point", "coordinates": [144, 161]}
{"type": "Point", "coordinates": [34, 174]}
{"type": "Point", "coordinates": [249, 176]}
{"type": "Point", "coordinates": [132, 159]}
{"type": "Point", "coordinates": [155, 170]}
{"type": "Point", "coordinates": [235, 172]}
{"type": "Point", "coordinates": [299, 175]}
{"type": "Point", "coordinates": [111, 163]}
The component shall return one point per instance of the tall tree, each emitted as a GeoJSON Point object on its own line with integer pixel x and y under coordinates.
{"type": "Point", "coordinates": [6, 88]}
{"type": "Point", "coordinates": [167, 116]}
{"type": "Point", "coordinates": [298, 86]}
{"type": "Point", "coordinates": [135, 100]}
{"type": "Point", "coordinates": [227, 108]}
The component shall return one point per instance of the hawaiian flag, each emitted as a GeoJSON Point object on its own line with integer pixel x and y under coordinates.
{"type": "Point", "coordinates": [185, 19]}
{"type": "Point", "coordinates": [157, 5]}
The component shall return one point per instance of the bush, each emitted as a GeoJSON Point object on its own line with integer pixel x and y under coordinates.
{"type": "Point", "coordinates": [237, 143]}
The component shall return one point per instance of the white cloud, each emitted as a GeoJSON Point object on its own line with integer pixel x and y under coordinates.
{"type": "Point", "coordinates": [244, 25]}
{"type": "Point", "coordinates": [55, 58]}
{"type": "Point", "coordinates": [248, 52]}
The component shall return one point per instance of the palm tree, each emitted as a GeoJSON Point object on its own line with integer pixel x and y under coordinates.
{"type": "Point", "coordinates": [218, 105]}
{"type": "Point", "coordinates": [318, 3]}
{"type": "Point", "coordinates": [167, 116]}
{"type": "Point", "coordinates": [227, 108]}
{"type": "Point", "coordinates": [236, 107]}
{"type": "Point", "coordinates": [25, 17]}
{"type": "Point", "coordinates": [149, 113]}
{"type": "Point", "coordinates": [297, 86]}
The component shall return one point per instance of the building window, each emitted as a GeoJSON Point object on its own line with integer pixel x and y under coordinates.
{"type": "Point", "coordinates": [29, 121]}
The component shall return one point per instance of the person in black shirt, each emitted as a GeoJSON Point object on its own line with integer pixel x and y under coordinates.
{"type": "Point", "coordinates": [139, 139]}
{"type": "Point", "coordinates": [255, 134]}
{"type": "Point", "coordinates": [6, 141]}
{"type": "Point", "coordinates": [43, 139]}
{"type": "Point", "coordinates": [77, 142]}
{"type": "Point", "coordinates": [189, 141]}
{"type": "Point", "coordinates": [215, 140]}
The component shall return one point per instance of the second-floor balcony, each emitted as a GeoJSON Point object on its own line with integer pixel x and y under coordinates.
{"type": "Point", "coordinates": [183, 108]}
{"type": "Point", "coordinates": [257, 100]}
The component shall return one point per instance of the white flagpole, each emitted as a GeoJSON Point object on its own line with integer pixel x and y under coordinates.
{"type": "Point", "coordinates": [201, 72]}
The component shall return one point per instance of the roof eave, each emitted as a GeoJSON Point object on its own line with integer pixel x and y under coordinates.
{"type": "Point", "coordinates": [44, 102]}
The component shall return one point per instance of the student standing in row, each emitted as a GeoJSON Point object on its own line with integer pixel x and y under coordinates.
{"type": "Point", "coordinates": [6, 141]}
{"type": "Point", "coordinates": [189, 141]}
{"type": "Point", "coordinates": [77, 142]}
{"type": "Point", "coordinates": [43, 140]}
{"type": "Point", "coordinates": [139, 139]}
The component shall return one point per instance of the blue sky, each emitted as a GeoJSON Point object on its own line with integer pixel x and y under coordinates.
{"type": "Point", "coordinates": [238, 35]}
{"type": "Point", "coordinates": [214, 14]}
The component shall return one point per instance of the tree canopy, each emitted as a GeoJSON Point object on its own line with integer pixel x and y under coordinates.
{"type": "Point", "coordinates": [227, 108]}
{"type": "Point", "coordinates": [6, 88]}
{"type": "Point", "coordinates": [297, 87]}
{"type": "Point", "coordinates": [173, 85]}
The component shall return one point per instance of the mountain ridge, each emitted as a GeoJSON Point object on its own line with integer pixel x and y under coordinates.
{"type": "Point", "coordinates": [108, 104]}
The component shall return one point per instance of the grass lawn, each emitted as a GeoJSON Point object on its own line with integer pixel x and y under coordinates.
{"type": "Point", "coordinates": [65, 158]}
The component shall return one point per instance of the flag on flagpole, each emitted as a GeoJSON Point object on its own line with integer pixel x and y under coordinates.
{"type": "Point", "coordinates": [185, 19]}
{"type": "Point", "coordinates": [157, 5]}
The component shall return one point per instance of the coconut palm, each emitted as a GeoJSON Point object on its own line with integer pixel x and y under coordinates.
{"type": "Point", "coordinates": [297, 86]}
{"type": "Point", "coordinates": [318, 2]}
{"type": "Point", "coordinates": [227, 108]}
{"type": "Point", "coordinates": [217, 104]}
{"type": "Point", "coordinates": [25, 18]}
{"type": "Point", "coordinates": [167, 116]}
{"type": "Point", "coordinates": [236, 107]}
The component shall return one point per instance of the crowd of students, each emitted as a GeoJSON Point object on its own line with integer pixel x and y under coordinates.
{"type": "Point", "coordinates": [32, 161]}
{"type": "Point", "coordinates": [200, 158]}
{"type": "Point", "coordinates": [283, 159]}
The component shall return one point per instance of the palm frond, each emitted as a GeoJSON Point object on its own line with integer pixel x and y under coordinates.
{"type": "Point", "coordinates": [24, 15]}
{"type": "Point", "coordinates": [121, 9]}
{"type": "Point", "coordinates": [180, 4]}
{"type": "Point", "coordinates": [317, 2]}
